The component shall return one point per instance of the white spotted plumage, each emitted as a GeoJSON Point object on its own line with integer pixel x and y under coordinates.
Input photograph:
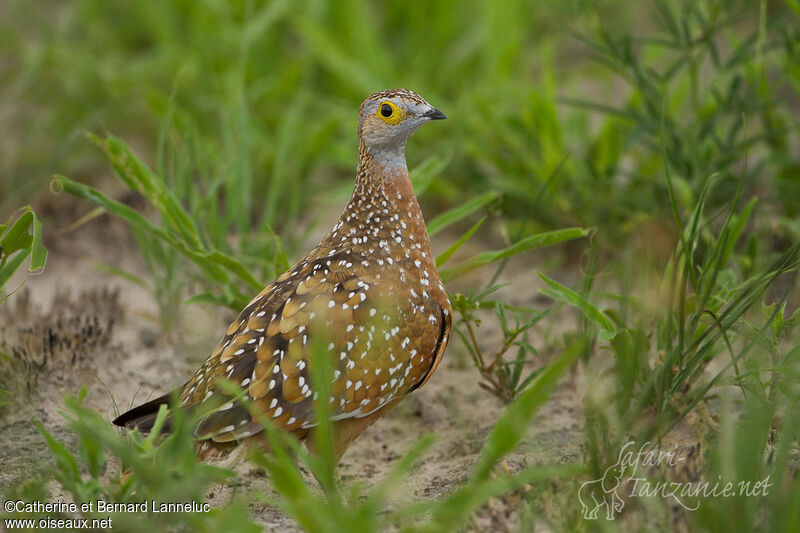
{"type": "Point", "coordinates": [369, 290]}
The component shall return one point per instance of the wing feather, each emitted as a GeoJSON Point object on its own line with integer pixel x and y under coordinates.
{"type": "Point", "coordinates": [378, 350]}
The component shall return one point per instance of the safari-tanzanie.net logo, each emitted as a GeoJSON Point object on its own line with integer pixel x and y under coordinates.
{"type": "Point", "coordinates": [606, 496]}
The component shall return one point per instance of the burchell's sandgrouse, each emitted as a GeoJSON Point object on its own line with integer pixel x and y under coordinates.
{"type": "Point", "coordinates": [370, 289]}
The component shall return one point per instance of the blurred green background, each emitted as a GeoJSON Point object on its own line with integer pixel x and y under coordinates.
{"type": "Point", "coordinates": [567, 108]}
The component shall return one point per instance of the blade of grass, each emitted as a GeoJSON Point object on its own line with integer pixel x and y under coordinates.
{"type": "Point", "coordinates": [528, 243]}
{"type": "Point", "coordinates": [455, 214]}
{"type": "Point", "coordinates": [559, 292]}
{"type": "Point", "coordinates": [453, 248]}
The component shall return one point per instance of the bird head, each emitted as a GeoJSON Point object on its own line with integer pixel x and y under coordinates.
{"type": "Point", "coordinates": [388, 118]}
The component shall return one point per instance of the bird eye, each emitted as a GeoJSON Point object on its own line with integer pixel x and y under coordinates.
{"type": "Point", "coordinates": [390, 113]}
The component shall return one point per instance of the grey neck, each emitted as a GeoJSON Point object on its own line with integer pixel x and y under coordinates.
{"type": "Point", "coordinates": [388, 162]}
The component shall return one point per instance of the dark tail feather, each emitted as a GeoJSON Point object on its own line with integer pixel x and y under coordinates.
{"type": "Point", "coordinates": [143, 416]}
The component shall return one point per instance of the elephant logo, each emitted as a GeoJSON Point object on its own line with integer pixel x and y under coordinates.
{"type": "Point", "coordinates": [598, 493]}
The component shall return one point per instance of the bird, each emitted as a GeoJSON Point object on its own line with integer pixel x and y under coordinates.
{"type": "Point", "coordinates": [370, 289]}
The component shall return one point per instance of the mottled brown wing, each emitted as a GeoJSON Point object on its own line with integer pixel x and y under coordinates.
{"type": "Point", "coordinates": [379, 351]}
{"type": "Point", "coordinates": [441, 346]}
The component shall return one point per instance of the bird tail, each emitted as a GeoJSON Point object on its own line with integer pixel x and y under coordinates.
{"type": "Point", "coordinates": [143, 417]}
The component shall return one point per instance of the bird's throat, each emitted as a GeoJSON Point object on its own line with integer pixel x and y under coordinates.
{"type": "Point", "coordinates": [384, 173]}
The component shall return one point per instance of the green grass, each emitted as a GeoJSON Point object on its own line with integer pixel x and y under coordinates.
{"type": "Point", "coordinates": [20, 240]}
{"type": "Point", "coordinates": [654, 143]}
{"type": "Point", "coordinates": [266, 105]}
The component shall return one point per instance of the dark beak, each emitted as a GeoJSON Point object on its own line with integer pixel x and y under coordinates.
{"type": "Point", "coordinates": [434, 114]}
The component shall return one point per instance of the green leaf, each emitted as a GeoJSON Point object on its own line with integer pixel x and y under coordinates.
{"type": "Point", "coordinates": [11, 266]}
{"type": "Point", "coordinates": [736, 227]}
{"type": "Point", "coordinates": [17, 237]}
{"type": "Point", "coordinates": [17, 244]}
{"type": "Point", "coordinates": [451, 216]}
{"type": "Point", "coordinates": [559, 292]}
{"type": "Point", "coordinates": [114, 271]}
{"type": "Point", "coordinates": [447, 254]}
{"type": "Point", "coordinates": [135, 172]}
{"type": "Point", "coordinates": [236, 267]}
{"type": "Point", "coordinates": [528, 243]}
{"type": "Point", "coordinates": [38, 251]}
{"type": "Point", "coordinates": [789, 324]}
{"type": "Point", "coordinates": [65, 461]}
{"type": "Point", "coordinates": [213, 263]}
{"type": "Point", "coordinates": [128, 214]}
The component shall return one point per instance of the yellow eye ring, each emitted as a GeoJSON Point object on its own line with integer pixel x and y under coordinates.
{"type": "Point", "coordinates": [390, 113]}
